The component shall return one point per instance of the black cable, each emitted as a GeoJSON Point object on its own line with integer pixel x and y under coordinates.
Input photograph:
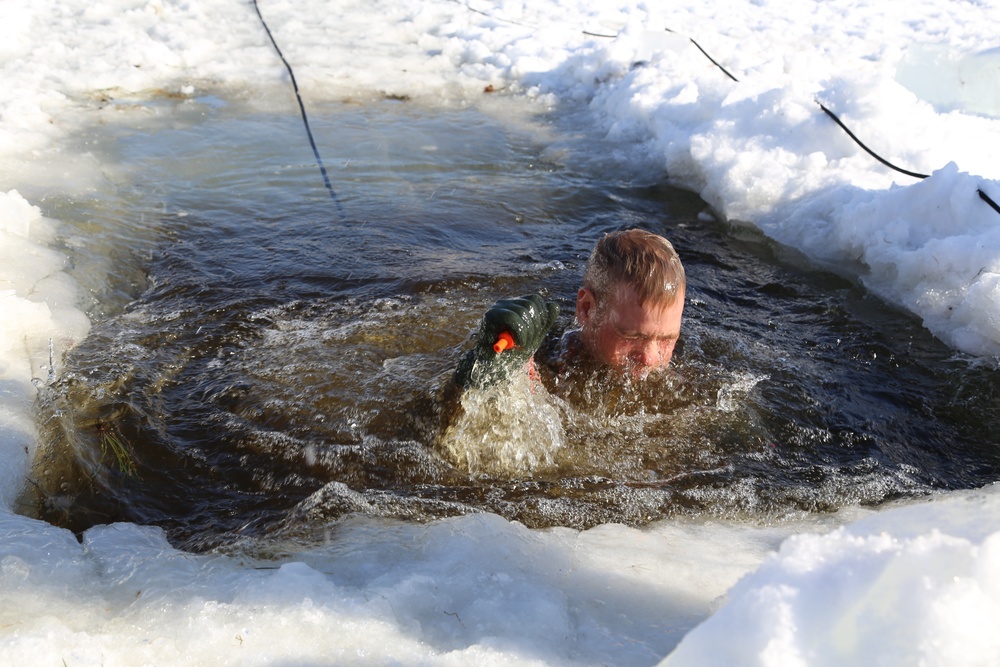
{"type": "Point", "coordinates": [986, 198]}
{"type": "Point", "coordinates": [489, 16]}
{"type": "Point", "coordinates": [705, 53]}
{"type": "Point", "coordinates": [302, 109]}
{"type": "Point", "coordinates": [724, 70]}
{"type": "Point", "coordinates": [982, 195]}
{"type": "Point", "coordinates": [867, 150]}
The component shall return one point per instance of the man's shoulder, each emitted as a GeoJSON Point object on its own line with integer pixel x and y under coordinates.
{"type": "Point", "coordinates": [557, 351]}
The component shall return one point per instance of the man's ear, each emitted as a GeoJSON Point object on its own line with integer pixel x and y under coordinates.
{"type": "Point", "coordinates": [586, 306]}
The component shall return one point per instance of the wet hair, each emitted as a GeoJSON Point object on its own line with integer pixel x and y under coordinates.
{"type": "Point", "coordinates": [644, 261]}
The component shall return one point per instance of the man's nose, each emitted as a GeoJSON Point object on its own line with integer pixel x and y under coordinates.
{"type": "Point", "coordinates": [647, 354]}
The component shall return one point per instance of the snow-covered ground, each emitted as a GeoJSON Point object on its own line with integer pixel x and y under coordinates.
{"type": "Point", "coordinates": [919, 82]}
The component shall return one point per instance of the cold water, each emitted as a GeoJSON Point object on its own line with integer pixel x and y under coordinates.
{"type": "Point", "coordinates": [266, 360]}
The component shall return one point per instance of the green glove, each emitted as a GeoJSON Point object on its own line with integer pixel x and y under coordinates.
{"type": "Point", "coordinates": [509, 334]}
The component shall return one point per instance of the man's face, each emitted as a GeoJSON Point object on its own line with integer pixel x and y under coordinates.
{"type": "Point", "coordinates": [623, 334]}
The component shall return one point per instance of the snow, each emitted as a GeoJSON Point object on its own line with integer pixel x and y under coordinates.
{"type": "Point", "coordinates": [919, 82]}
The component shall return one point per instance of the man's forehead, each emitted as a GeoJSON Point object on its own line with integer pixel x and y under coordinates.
{"type": "Point", "coordinates": [660, 319]}
{"type": "Point", "coordinates": [624, 296]}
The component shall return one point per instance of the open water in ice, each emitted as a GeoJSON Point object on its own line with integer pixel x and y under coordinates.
{"type": "Point", "coordinates": [262, 365]}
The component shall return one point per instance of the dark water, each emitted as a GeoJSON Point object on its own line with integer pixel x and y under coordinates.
{"type": "Point", "coordinates": [262, 365]}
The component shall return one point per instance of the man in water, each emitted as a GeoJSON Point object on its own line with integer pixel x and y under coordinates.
{"type": "Point", "coordinates": [629, 310]}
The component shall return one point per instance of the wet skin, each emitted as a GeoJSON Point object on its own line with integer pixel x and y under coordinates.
{"type": "Point", "coordinates": [626, 334]}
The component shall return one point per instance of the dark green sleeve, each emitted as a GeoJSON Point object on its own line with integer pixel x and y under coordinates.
{"type": "Point", "coordinates": [527, 320]}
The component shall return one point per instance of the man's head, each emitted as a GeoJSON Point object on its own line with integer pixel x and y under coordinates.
{"type": "Point", "coordinates": [631, 302]}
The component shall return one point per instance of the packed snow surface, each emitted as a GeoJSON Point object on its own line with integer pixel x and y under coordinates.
{"type": "Point", "coordinates": [918, 82]}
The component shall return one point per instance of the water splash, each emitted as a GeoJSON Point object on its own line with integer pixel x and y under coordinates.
{"type": "Point", "coordinates": [509, 431]}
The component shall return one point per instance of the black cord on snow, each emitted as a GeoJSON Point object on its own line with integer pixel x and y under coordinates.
{"type": "Point", "coordinates": [302, 110]}
{"type": "Point", "coordinates": [867, 150]}
{"type": "Point", "coordinates": [986, 198]}
{"type": "Point", "coordinates": [705, 53]}
{"type": "Point", "coordinates": [982, 195]}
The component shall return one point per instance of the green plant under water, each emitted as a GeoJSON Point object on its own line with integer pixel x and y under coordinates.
{"type": "Point", "coordinates": [112, 445]}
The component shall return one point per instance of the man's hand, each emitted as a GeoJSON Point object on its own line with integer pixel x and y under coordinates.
{"type": "Point", "coordinates": [508, 336]}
